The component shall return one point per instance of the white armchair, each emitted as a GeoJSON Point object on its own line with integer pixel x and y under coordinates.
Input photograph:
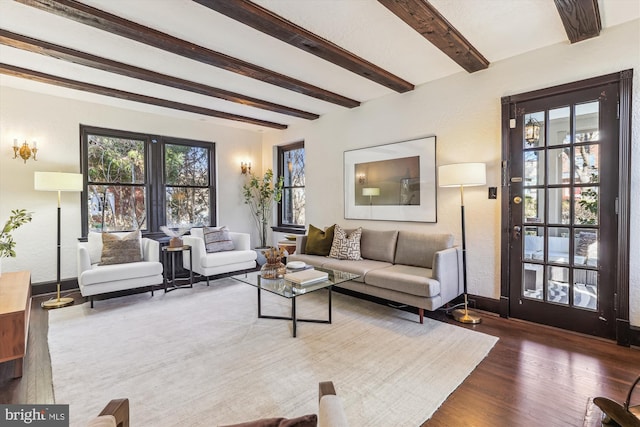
{"type": "Point", "coordinates": [211, 264]}
{"type": "Point", "coordinates": [95, 279]}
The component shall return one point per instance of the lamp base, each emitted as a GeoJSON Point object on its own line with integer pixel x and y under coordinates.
{"type": "Point", "coordinates": [57, 303]}
{"type": "Point", "coordinates": [463, 316]}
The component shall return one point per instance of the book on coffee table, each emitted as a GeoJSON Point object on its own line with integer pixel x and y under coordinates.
{"type": "Point", "coordinates": [306, 277]}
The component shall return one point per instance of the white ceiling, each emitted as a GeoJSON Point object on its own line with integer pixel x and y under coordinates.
{"type": "Point", "coordinates": [499, 29]}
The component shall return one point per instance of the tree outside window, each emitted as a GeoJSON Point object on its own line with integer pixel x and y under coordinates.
{"type": "Point", "coordinates": [141, 182]}
{"type": "Point", "coordinates": [291, 165]}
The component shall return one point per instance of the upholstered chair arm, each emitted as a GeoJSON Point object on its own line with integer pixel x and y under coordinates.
{"type": "Point", "coordinates": [447, 269]}
{"type": "Point", "coordinates": [198, 252]}
{"type": "Point", "coordinates": [331, 411]}
{"type": "Point", "coordinates": [83, 261]}
{"type": "Point", "coordinates": [119, 408]}
{"type": "Point", "coordinates": [241, 241]}
{"type": "Point", "coordinates": [150, 250]}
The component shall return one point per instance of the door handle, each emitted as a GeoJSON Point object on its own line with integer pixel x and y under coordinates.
{"type": "Point", "coordinates": [517, 231]}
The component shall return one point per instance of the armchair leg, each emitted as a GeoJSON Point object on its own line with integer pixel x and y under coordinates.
{"type": "Point", "coordinates": [421, 314]}
{"type": "Point", "coordinates": [91, 299]}
{"type": "Point", "coordinates": [207, 280]}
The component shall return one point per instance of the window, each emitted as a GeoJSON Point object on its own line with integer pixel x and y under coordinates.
{"type": "Point", "coordinates": [136, 181]}
{"type": "Point", "coordinates": [291, 163]}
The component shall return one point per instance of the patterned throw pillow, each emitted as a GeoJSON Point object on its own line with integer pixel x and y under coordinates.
{"type": "Point", "coordinates": [121, 250]}
{"type": "Point", "coordinates": [346, 246]}
{"type": "Point", "coordinates": [217, 239]}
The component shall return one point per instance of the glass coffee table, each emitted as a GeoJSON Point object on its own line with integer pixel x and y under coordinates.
{"type": "Point", "coordinates": [290, 290]}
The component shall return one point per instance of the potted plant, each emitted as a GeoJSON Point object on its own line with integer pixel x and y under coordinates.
{"type": "Point", "coordinates": [17, 218]}
{"type": "Point", "coordinates": [260, 194]}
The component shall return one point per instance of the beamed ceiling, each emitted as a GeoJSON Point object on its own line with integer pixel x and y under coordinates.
{"type": "Point", "coordinates": [268, 64]}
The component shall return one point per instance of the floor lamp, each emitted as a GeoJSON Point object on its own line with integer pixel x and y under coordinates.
{"type": "Point", "coordinates": [58, 181]}
{"type": "Point", "coordinates": [463, 175]}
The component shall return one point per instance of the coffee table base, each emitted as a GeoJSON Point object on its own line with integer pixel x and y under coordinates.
{"type": "Point", "coordinates": [293, 317]}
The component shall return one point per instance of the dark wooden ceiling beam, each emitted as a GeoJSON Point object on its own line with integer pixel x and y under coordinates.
{"type": "Point", "coordinates": [263, 20]}
{"type": "Point", "coordinates": [581, 18]}
{"type": "Point", "coordinates": [71, 55]}
{"type": "Point", "coordinates": [114, 24]}
{"type": "Point", "coordinates": [426, 20]}
{"type": "Point", "coordinates": [25, 73]}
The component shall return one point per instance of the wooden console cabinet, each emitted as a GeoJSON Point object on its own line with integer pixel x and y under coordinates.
{"type": "Point", "coordinates": [15, 308]}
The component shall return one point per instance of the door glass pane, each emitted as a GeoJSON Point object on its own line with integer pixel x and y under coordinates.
{"type": "Point", "coordinates": [533, 205]}
{"type": "Point", "coordinates": [558, 284]}
{"type": "Point", "coordinates": [533, 243]}
{"type": "Point", "coordinates": [533, 279]}
{"type": "Point", "coordinates": [558, 245]}
{"type": "Point", "coordinates": [559, 126]}
{"type": "Point", "coordinates": [587, 122]}
{"type": "Point", "coordinates": [585, 247]}
{"type": "Point", "coordinates": [533, 130]}
{"type": "Point", "coordinates": [533, 167]}
{"type": "Point", "coordinates": [559, 205]}
{"type": "Point", "coordinates": [587, 163]}
{"type": "Point", "coordinates": [559, 166]}
{"type": "Point", "coordinates": [586, 205]}
{"type": "Point", "coordinates": [585, 289]}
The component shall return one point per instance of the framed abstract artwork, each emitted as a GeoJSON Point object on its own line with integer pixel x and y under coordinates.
{"type": "Point", "coordinates": [392, 182]}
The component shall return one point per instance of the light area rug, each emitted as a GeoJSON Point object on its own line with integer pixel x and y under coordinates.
{"type": "Point", "coordinates": [201, 357]}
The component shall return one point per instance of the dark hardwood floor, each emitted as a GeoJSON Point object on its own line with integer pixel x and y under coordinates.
{"type": "Point", "coordinates": [534, 376]}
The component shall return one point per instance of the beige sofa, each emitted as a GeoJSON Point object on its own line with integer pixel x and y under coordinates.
{"type": "Point", "coordinates": [417, 269]}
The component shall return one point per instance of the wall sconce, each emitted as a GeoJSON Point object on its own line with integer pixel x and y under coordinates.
{"type": "Point", "coordinates": [361, 178]}
{"type": "Point", "coordinates": [24, 151]}
{"type": "Point", "coordinates": [245, 167]}
{"type": "Point", "coordinates": [532, 131]}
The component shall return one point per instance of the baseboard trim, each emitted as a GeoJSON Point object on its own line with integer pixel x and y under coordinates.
{"type": "Point", "coordinates": [50, 287]}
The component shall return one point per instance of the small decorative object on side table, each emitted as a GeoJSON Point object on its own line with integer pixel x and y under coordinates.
{"type": "Point", "coordinates": [274, 267]}
{"type": "Point", "coordinates": [169, 255]}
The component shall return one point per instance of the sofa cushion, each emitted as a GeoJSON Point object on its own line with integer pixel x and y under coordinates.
{"type": "Point", "coordinates": [319, 241]}
{"type": "Point", "coordinates": [405, 278]}
{"type": "Point", "coordinates": [121, 249]}
{"type": "Point", "coordinates": [303, 421]}
{"type": "Point", "coordinates": [346, 246]}
{"type": "Point", "coordinates": [378, 245]}
{"type": "Point", "coordinates": [217, 239]}
{"type": "Point", "coordinates": [361, 267]}
{"type": "Point", "coordinates": [417, 249]}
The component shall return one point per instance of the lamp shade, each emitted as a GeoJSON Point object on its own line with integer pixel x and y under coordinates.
{"type": "Point", "coordinates": [57, 181]}
{"type": "Point", "coordinates": [462, 174]}
{"type": "Point", "coordinates": [370, 191]}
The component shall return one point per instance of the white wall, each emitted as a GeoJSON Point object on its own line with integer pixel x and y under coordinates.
{"type": "Point", "coordinates": [55, 123]}
{"type": "Point", "coordinates": [463, 111]}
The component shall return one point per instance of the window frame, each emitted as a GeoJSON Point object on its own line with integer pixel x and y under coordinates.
{"type": "Point", "coordinates": [282, 227]}
{"type": "Point", "coordinates": [155, 183]}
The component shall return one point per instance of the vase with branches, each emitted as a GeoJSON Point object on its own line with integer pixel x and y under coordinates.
{"type": "Point", "coordinates": [260, 194]}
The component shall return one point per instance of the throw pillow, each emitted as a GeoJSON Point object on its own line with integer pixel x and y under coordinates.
{"type": "Point", "coordinates": [303, 421]}
{"type": "Point", "coordinates": [121, 249]}
{"type": "Point", "coordinates": [319, 241]}
{"type": "Point", "coordinates": [217, 239]}
{"type": "Point", "coordinates": [346, 246]}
